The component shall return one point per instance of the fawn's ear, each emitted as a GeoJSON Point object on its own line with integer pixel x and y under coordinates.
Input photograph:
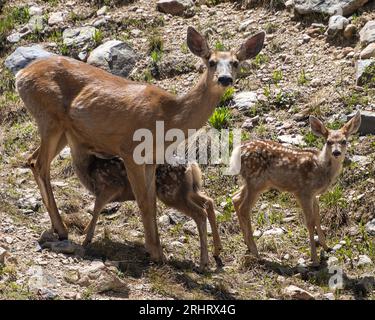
{"type": "Point", "coordinates": [251, 47]}
{"type": "Point", "coordinates": [352, 125]}
{"type": "Point", "coordinates": [318, 127]}
{"type": "Point", "coordinates": [197, 43]}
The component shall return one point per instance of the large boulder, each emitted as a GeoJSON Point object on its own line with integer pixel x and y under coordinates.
{"type": "Point", "coordinates": [336, 25]}
{"type": "Point", "coordinates": [176, 7]}
{"type": "Point", "coordinates": [22, 56]}
{"type": "Point", "coordinates": [330, 7]}
{"type": "Point", "coordinates": [367, 33]}
{"type": "Point", "coordinates": [78, 37]}
{"type": "Point", "coordinates": [365, 73]}
{"type": "Point", "coordinates": [114, 56]}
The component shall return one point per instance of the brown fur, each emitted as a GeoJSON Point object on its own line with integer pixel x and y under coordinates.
{"type": "Point", "coordinates": [83, 106]}
{"type": "Point", "coordinates": [306, 173]}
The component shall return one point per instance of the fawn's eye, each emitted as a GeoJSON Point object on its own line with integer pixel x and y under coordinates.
{"type": "Point", "coordinates": [212, 63]}
{"type": "Point", "coordinates": [343, 142]}
{"type": "Point", "coordinates": [235, 64]}
{"type": "Point", "coordinates": [330, 143]}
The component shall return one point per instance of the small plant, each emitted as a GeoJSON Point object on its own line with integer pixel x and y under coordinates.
{"type": "Point", "coordinates": [270, 27]}
{"type": "Point", "coordinates": [302, 78]}
{"type": "Point", "coordinates": [310, 139]}
{"type": "Point", "coordinates": [227, 211]}
{"type": "Point", "coordinates": [219, 46]}
{"type": "Point", "coordinates": [277, 76]}
{"type": "Point", "coordinates": [184, 48]}
{"type": "Point", "coordinates": [155, 42]}
{"type": "Point", "coordinates": [156, 56]}
{"type": "Point", "coordinates": [227, 96]}
{"type": "Point", "coordinates": [97, 37]}
{"type": "Point", "coordinates": [12, 18]}
{"type": "Point", "coordinates": [147, 75]}
{"type": "Point", "coordinates": [334, 198]}
{"type": "Point", "coordinates": [259, 60]}
{"type": "Point", "coordinates": [220, 118]}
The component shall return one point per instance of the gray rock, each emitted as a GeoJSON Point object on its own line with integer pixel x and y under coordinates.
{"type": "Point", "coordinates": [332, 261]}
{"type": "Point", "coordinates": [365, 72]}
{"type": "Point", "coordinates": [295, 139]}
{"type": "Point", "coordinates": [175, 7]}
{"type": "Point", "coordinates": [368, 52]}
{"type": "Point", "coordinates": [39, 280]}
{"type": "Point", "coordinates": [367, 121]}
{"type": "Point", "coordinates": [14, 37]}
{"type": "Point", "coordinates": [57, 18]}
{"type": "Point", "coordinates": [65, 246]}
{"type": "Point", "coordinates": [273, 232]}
{"type": "Point", "coordinates": [250, 123]}
{"type": "Point", "coordinates": [103, 10]}
{"type": "Point", "coordinates": [170, 66]}
{"type": "Point", "coordinates": [98, 277]}
{"type": "Point", "coordinates": [370, 227]}
{"type": "Point", "coordinates": [35, 11]}
{"type": "Point", "coordinates": [365, 285]}
{"type": "Point", "coordinates": [297, 293]}
{"type": "Point", "coordinates": [114, 56]}
{"type": "Point", "coordinates": [100, 22]}
{"type": "Point", "coordinates": [337, 247]}
{"type": "Point", "coordinates": [329, 296]}
{"type": "Point", "coordinates": [364, 260]}
{"type": "Point", "coordinates": [336, 25]}
{"type": "Point", "coordinates": [367, 33]}
{"type": "Point", "coordinates": [79, 36]}
{"type": "Point", "coordinates": [36, 23]}
{"type": "Point", "coordinates": [330, 7]}
{"type": "Point", "coordinates": [245, 100]}
{"type": "Point", "coordinates": [245, 24]}
{"type": "Point", "coordinates": [190, 227]}
{"type": "Point", "coordinates": [22, 56]}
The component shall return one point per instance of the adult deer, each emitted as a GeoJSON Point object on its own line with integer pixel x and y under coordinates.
{"type": "Point", "coordinates": [77, 104]}
{"type": "Point", "coordinates": [306, 173]}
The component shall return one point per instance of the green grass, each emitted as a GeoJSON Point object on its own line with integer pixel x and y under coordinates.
{"type": "Point", "coordinates": [227, 96]}
{"type": "Point", "coordinates": [156, 56]}
{"type": "Point", "coordinates": [277, 76]}
{"type": "Point", "coordinates": [12, 18]}
{"type": "Point", "coordinates": [219, 46]}
{"type": "Point", "coordinates": [155, 42]}
{"type": "Point", "coordinates": [220, 119]}
{"type": "Point", "coordinates": [97, 37]}
{"type": "Point", "coordinates": [259, 60]}
{"type": "Point", "coordinates": [334, 198]}
{"type": "Point", "coordinates": [302, 78]}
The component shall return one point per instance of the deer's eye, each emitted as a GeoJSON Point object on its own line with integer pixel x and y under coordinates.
{"type": "Point", "coordinates": [343, 142]}
{"type": "Point", "coordinates": [235, 64]}
{"type": "Point", "coordinates": [330, 143]}
{"type": "Point", "coordinates": [212, 63]}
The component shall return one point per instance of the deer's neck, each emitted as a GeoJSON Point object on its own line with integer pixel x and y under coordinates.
{"type": "Point", "coordinates": [330, 167]}
{"type": "Point", "coordinates": [198, 104]}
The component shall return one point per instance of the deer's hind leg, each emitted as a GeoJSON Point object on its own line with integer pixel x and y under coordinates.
{"type": "Point", "coordinates": [243, 202]}
{"type": "Point", "coordinates": [52, 142]}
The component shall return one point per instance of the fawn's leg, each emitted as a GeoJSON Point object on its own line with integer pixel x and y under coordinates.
{"type": "Point", "coordinates": [142, 181]}
{"type": "Point", "coordinates": [308, 210]}
{"type": "Point", "coordinates": [52, 141]}
{"type": "Point", "coordinates": [101, 200]}
{"type": "Point", "coordinates": [322, 238]}
{"type": "Point", "coordinates": [215, 231]}
{"type": "Point", "coordinates": [243, 202]}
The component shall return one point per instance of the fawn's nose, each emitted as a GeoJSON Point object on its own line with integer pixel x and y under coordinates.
{"type": "Point", "coordinates": [336, 153]}
{"type": "Point", "coordinates": [225, 80]}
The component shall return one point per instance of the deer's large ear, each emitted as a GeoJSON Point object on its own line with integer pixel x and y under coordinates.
{"type": "Point", "coordinates": [318, 127]}
{"type": "Point", "coordinates": [352, 125]}
{"type": "Point", "coordinates": [251, 47]}
{"type": "Point", "coordinates": [197, 43]}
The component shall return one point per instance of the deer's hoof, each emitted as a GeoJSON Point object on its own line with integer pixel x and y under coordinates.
{"type": "Point", "coordinates": [219, 262]}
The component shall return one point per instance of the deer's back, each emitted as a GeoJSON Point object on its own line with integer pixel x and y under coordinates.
{"type": "Point", "coordinates": [275, 166]}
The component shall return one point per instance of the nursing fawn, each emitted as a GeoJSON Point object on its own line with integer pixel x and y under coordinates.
{"type": "Point", "coordinates": [177, 186]}
{"type": "Point", "coordinates": [306, 173]}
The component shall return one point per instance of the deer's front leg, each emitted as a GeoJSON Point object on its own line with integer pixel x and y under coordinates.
{"type": "Point", "coordinates": [142, 180]}
{"type": "Point", "coordinates": [322, 238]}
{"type": "Point", "coordinates": [307, 204]}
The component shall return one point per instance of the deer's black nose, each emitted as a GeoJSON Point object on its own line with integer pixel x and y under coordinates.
{"type": "Point", "coordinates": [336, 153]}
{"type": "Point", "coordinates": [225, 80]}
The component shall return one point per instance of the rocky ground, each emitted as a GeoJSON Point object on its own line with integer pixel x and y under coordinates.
{"type": "Point", "coordinates": [308, 66]}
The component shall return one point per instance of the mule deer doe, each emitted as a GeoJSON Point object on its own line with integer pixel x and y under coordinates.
{"type": "Point", "coordinates": [78, 104]}
{"type": "Point", "coordinates": [306, 173]}
{"type": "Point", "coordinates": [177, 186]}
